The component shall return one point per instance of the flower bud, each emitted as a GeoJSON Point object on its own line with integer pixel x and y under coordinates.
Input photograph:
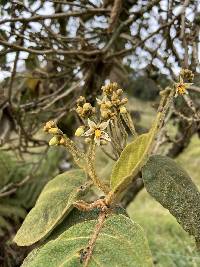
{"type": "Point", "coordinates": [104, 114]}
{"type": "Point", "coordinates": [79, 110]}
{"type": "Point", "coordinates": [54, 131]}
{"type": "Point", "coordinates": [87, 106]}
{"type": "Point", "coordinates": [119, 91]}
{"type": "Point", "coordinates": [123, 110]}
{"type": "Point", "coordinates": [54, 141]}
{"type": "Point", "coordinates": [124, 100]}
{"type": "Point", "coordinates": [103, 106]}
{"type": "Point", "coordinates": [49, 125]}
{"type": "Point", "coordinates": [108, 104]}
{"type": "Point", "coordinates": [114, 86]}
{"type": "Point", "coordinates": [187, 74]}
{"type": "Point", "coordinates": [62, 141]}
{"type": "Point", "coordinates": [114, 96]}
{"type": "Point", "coordinates": [81, 100]}
{"type": "Point", "coordinates": [79, 131]}
{"type": "Point", "coordinates": [117, 102]}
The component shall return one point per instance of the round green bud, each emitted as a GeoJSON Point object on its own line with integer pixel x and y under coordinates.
{"type": "Point", "coordinates": [54, 141]}
{"type": "Point", "coordinates": [54, 131]}
{"type": "Point", "coordinates": [79, 131]}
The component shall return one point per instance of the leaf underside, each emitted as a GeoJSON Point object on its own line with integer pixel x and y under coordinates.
{"type": "Point", "coordinates": [53, 204]}
{"type": "Point", "coordinates": [172, 187]}
{"type": "Point", "coordinates": [132, 158]}
{"type": "Point", "coordinates": [120, 242]}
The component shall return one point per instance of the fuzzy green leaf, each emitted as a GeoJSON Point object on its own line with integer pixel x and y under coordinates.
{"type": "Point", "coordinates": [120, 242]}
{"type": "Point", "coordinates": [172, 187]}
{"type": "Point", "coordinates": [53, 204]}
{"type": "Point", "coordinates": [77, 216]}
{"type": "Point", "coordinates": [132, 158]}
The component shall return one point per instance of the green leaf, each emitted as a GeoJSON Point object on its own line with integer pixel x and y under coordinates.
{"type": "Point", "coordinates": [120, 242]}
{"type": "Point", "coordinates": [172, 187]}
{"type": "Point", "coordinates": [53, 204]}
{"type": "Point", "coordinates": [74, 217]}
{"type": "Point", "coordinates": [132, 158]}
{"type": "Point", "coordinates": [77, 216]}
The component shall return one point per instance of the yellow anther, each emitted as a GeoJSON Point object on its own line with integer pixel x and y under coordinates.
{"type": "Point", "coordinates": [97, 133]}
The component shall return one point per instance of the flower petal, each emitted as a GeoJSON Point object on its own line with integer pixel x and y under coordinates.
{"type": "Point", "coordinates": [88, 132]}
{"type": "Point", "coordinates": [104, 125]}
{"type": "Point", "coordinates": [105, 136]}
{"type": "Point", "coordinates": [92, 124]}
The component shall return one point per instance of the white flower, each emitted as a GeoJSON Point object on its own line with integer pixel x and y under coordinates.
{"type": "Point", "coordinates": [97, 131]}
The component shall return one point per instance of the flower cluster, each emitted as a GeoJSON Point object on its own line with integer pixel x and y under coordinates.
{"type": "Point", "coordinates": [187, 75]}
{"type": "Point", "coordinates": [105, 108]}
{"type": "Point", "coordinates": [112, 101]}
{"type": "Point", "coordinates": [84, 109]}
{"type": "Point", "coordinates": [111, 104]}
{"type": "Point", "coordinates": [182, 86]}
{"type": "Point", "coordinates": [51, 128]}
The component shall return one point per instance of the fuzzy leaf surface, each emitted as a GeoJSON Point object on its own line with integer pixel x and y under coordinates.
{"type": "Point", "coordinates": [77, 216]}
{"type": "Point", "coordinates": [120, 242]}
{"type": "Point", "coordinates": [173, 188]}
{"type": "Point", "coordinates": [53, 204]}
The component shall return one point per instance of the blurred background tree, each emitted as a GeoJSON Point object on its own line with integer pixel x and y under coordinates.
{"type": "Point", "coordinates": [53, 51]}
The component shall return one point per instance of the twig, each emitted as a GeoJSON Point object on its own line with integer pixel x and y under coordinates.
{"type": "Point", "coordinates": [56, 15]}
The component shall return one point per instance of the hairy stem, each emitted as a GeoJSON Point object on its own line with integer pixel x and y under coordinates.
{"type": "Point", "coordinates": [90, 169]}
{"type": "Point", "coordinates": [93, 239]}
